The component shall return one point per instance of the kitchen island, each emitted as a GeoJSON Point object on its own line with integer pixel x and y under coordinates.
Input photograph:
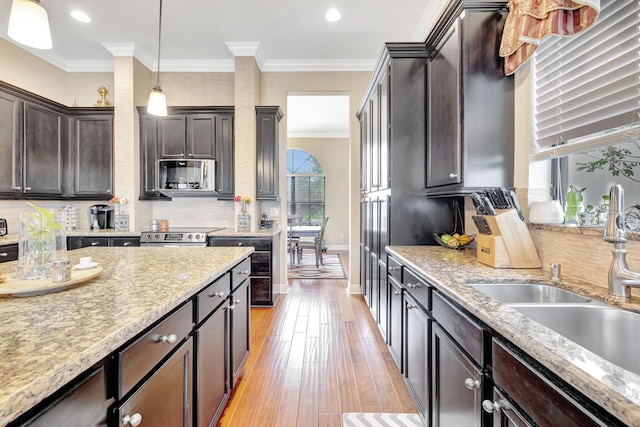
{"type": "Point", "coordinates": [49, 340]}
{"type": "Point", "coordinates": [570, 371]}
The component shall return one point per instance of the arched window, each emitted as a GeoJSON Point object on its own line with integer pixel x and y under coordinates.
{"type": "Point", "coordinates": [305, 187]}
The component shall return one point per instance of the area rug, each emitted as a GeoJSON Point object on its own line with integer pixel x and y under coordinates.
{"type": "Point", "coordinates": [331, 269]}
{"type": "Point", "coordinates": [361, 419]}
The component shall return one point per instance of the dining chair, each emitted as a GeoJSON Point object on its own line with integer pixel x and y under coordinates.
{"type": "Point", "coordinates": [292, 247]}
{"type": "Point", "coordinates": [315, 244]}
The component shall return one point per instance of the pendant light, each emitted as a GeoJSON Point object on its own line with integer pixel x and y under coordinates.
{"type": "Point", "coordinates": [157, 101]}
{"type": "Point", "coordinates": [29, 24]}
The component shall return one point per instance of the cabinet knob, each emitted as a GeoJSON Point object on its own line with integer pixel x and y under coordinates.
{"type": "Point", "coordinates": [18, 188]}
{"type": "Point", "coordinates": [232, 307]}
{"type": "Point", "coordinates": [261, 190]}
{"type": "Point", "coordinates": [219, 190]}
{"type": "Point", "coordinates": [107, 191]}
{"type": "Point", "coordinates": [95, 243]}
{"type": "Point", "coordinates": [132, 420]}
{"type": "Point", "coordinates": [236, 301]}
{"type": "Point", "coordinates": [240, 243]}
{"type": "Point", "coordinates": [245, 272]}
{"type": "Point", "coordinates": [218, 294]}
{"type": "Point", "coordinates": [169, 339]}
{"type": "Point", "coordinates": [396, 292]}
{"type": "Point", "coordinates": [27, 188]}
{"type": "Point", "coordinates": [4, 254]}
{"type": "Point", "coordinates": [126, 244]}
{"type": "Point", "coordinates": [490, 407]}
{"type": "Point", "coordinates": [181, 154]}
{"type": "Point", "coordinates": [410, 306]}
{"type": "Point", "coordinates": [394, 268]}
{"type": "Point", "coordinates": [413, 285]}
{"type": "Point", "coordinates": [453, 175]}
{"type": "Point", "coordinates": [190, 155]}
{"type": "Point", "coordinates": [471, 384]}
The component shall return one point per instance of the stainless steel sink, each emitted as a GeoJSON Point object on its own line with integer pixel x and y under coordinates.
{"type": "Point", "coordinates": [516, 293]}
{"type": "Point", "coordinates": [609, 332]}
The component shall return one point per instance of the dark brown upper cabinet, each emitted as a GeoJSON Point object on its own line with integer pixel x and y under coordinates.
{"type": "Point", "coordinates": [267, 124]}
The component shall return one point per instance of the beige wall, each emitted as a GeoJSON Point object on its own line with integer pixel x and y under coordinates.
{"type": "Point", "coordinates": [333, 155]}
{"type": "Point", "coordinates": [275, 88]}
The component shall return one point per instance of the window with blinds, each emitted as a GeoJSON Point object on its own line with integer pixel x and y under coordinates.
{"type": "Point", "coordinates": [585, 88]}
{"type": "Point", "coordinates": [305, 187]}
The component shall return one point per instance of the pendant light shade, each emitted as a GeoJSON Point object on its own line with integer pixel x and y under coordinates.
{"type": "Point", "coordinates": [29, 24]}
{"type": "Point", "coordinates": [157, 101]}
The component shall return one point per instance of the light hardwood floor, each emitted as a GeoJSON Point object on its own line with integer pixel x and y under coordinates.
{"type": "Point", "coordinates": [315, 355]}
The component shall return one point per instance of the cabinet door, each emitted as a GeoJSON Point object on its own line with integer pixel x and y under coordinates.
{"type": "Point", "coordinates": [148, 157]}
{"type": "Point", "coordinates": [444, 156]}
{"type": "Point", "coordinates": [395, 321]}
{"type": "Point", "coordinates": [44, 150]}
{"type": "Point", "coordinates": [383, 307]}
{"type": "Point", "coordinates": [384, 141]}
{"type": "Point", "coordinates": [201, 136]}
{"type": "Point", "coordinates": [211, 372]}
{"type": "Point", "coordinates": [93, 156]}
{"type": "Point", "coordinates": [374, 154]}
{"type": "Point", "coordinates": [85, 404]}
{"type": "Point", "coordinates": [10, 145]}
{"type": "Point", "coordinates": [267, 123]}
{"type": "Point", "coordinates": [165, 398]}
{"type": "Point", "coordinates": [125, 241]}
{"type": "Point", "coordinates": [172, 137]}
{"type": "Point", "coordinates": [239, 313]}
{"type": "Point", "coordinates": [8, 253]}
{"type": "Point", "coordinates": [224, 156]}
{"type": "Point", "coordinates": [456, 385]}
{"type": "Point", "coordinates": [365, 146]}
{"type": "Point", "coordinates": [507, 416]}
{"type": "Point", "coordinates": [417, 332]}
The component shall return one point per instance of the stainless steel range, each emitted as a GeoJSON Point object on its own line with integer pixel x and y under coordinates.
{"type": "Point", "coordinates": [177, 237]}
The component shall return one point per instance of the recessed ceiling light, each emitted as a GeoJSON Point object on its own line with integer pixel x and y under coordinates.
{"type": "Point", "coordinates": [333, 15]}
{"type": "Point", "coordinates": [79, 15]}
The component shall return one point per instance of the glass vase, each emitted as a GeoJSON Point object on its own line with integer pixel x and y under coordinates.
{"type": "Point", "coordinates": [42, 240]}
{"type": "Point", "coordinates": [244, 222]}
{"type": "Point", "coordinates": [121, 217]}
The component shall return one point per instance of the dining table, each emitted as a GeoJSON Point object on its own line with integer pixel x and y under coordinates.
{"type": "Point", "coordinates": [304, 230]}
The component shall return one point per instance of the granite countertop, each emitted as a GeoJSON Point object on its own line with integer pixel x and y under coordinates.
{"type": "Point", "coordinates": [613, 388]}
{"type": "Point", "coordinates": [10, 239]}
{"type": "Point", "coordinates": [48, 340]}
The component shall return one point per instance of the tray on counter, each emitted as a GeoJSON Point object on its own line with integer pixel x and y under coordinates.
{"type": "Point", "coordinates": [14, 287]}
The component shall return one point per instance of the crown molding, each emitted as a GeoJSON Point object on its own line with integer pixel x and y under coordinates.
{"type": "Point", "coordinates": [199, 65]}
{"type": "Point", "coordinates": [326, 65]}
{"type": "Point", "coordinates": [243, 48]}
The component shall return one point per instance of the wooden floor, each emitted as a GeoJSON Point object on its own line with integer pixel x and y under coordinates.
{"type": "Point", "coordinates": [314, 356]}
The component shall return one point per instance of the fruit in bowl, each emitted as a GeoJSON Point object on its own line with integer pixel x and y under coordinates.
{"type": "Point", "coordinates": [454, 241]}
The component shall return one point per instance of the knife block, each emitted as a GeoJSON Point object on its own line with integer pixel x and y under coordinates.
{"type": "Point", "coordinates": [509, 245]}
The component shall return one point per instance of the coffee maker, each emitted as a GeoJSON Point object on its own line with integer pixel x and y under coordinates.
{"type": "Point", "coordinates": [101, 213]}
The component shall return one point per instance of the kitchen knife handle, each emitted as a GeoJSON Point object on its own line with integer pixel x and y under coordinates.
{"type": "Point", "coordinates": [489, 207]}
{"type": "Point", "coordinates": [479, 204]}
{"type": "Point", "coordinates": [516, 204]}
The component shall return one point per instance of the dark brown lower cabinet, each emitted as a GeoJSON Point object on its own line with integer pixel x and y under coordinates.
{"type": "Point", "coordinates": [395, 320]}
{"type": "Point", "coordinates": [239, 319]}
{"type": "Point", "coordinates": [417, 343]}
{"type": "Point", "coordinates": [84, 404]}
{"type": "Point", "coordinates": [457, 384]}
{"type": "Point", "coordinates": [530, 396]}
{"type": "Point", "coordinates": [211, 367]}
{"type": "Point", "coordinates": [164, 399]}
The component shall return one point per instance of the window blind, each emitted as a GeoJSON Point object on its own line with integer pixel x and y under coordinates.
{"type": "Point", "coordinates": [585, 88]}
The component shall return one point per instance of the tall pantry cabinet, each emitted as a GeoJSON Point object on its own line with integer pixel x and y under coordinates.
{"type": "Point", "coordinates": [394, 207]}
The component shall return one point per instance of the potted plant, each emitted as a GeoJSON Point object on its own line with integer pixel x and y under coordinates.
{"type": "Point", "coordinates": [573, 205]}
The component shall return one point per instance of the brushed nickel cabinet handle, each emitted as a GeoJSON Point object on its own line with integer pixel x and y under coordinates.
{"type": "Point", "coordinates": [132, 420]}
{"type": "Point", "coordinates": [169, 339]}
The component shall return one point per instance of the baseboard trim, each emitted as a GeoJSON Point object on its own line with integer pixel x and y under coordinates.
{"type": "Point", "coordinates": [354, 289]}
{"type": "Point", "coordinates": [338, 247]}
{"type": "Point", "coordinates": [282, 288]}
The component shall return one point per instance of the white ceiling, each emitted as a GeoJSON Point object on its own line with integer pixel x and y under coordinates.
{"type": "Point", "coordinates": [290, 35]}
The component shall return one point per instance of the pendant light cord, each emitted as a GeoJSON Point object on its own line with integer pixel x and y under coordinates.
{"type": "Point", "coordinates": [159, 37]}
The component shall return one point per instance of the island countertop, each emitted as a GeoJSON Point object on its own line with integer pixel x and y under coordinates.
{"type": "Point", "coordinates": [613, 388]}
{"type": "Point", "coordinates": [48, 340]}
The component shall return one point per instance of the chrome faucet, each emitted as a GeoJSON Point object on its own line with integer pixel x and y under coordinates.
{"type": "Point", "coordinates": [621, 279]}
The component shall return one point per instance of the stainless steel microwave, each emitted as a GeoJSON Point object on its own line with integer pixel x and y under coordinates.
{"type": "Point", "coordinates": [186, 177]}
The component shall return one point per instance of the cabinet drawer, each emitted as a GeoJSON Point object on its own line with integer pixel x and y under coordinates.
{"type": "Point", "coordinates": [261, 264]}
{"type": "Point", "coordinates": [8, 253]}
{"type": "Point", "coordinates": [240, 273]}
{"type": "Point", "coordinates": [212, 296]}
{"type": "Point", "coordinates": [138, 358]}
{"type": "Point", "coordinates": [418, 288]}
{"type": "Point", "coordinates": [258, 244]}
{"type": "Point", "coordinates": [394, 268]}
{"type": "Point", "coordinates": [94, 241]}
{"type": "Point", "coordinates": [125, 241]}
{"type": "Point", "coordinates": [462, 329]}
{"type": "Point", "coordinates": [538, 397]}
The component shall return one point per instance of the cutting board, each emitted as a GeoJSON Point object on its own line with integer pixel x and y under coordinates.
{"type": "Point", "coordinates": [14, 287]}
